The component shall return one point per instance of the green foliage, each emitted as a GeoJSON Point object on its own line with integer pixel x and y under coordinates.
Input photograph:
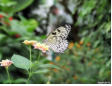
{"type": "Point", "coordinates": [48, 66]}
{"type": "Point", "coordinates": [14, 5]}
{"type": "Point", "coordinates": [21, 62]}
{"type": "Point", "coordinates": [41, 71]}
{"type": "Point", "coordinates": [21, 5]}
{"type": "Point", "coordinates": [23, 27]}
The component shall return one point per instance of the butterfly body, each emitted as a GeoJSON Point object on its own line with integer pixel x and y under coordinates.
{"type": "Point", "coordinates": [56, 40]}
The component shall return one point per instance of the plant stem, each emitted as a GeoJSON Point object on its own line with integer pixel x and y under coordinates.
{"type": "Point", "coordinates": [8, 75]}
{"type": "Point", "coordinates": [30, 72]}
{"type": "Point", "coordinates": [30, 57]}
{"type": "Point", "coordinates": [29, 76]}
{"type": "Point", "coordinates": [38, 57]}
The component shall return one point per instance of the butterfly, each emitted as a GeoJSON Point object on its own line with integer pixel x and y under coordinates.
{"type": "Point", "coordinates": [57, 39]}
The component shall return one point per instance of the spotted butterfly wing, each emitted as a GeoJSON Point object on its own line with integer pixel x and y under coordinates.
{"type": "Point", "coordinates": [56, 40]}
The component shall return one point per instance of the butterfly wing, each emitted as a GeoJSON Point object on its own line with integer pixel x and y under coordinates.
{"type": "Point", "coordinates": [61, 47]}
{"type": "Point", "coordinates": [56, 40]}
{"type": "Point", "coordinates": [63, 31]}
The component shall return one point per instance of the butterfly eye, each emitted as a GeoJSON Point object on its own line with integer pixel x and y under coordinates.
{"type": "Point", "coordinates": [53, 33]}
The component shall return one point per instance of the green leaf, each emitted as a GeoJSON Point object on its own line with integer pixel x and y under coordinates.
{"type": "Point", "coordinates": [20, 80]}
{"type": "Point", "coordinates": [0, 55]}
{"type": "Point", "coordinates": [15, 26]}
{"type": "Point", "coordinates": [2, 36]}
{"type": "Point", "coordinates": [48, 66]}
{"type": "Point", "coordinates": [108, 27]}
{"type": "Point", "coordinates": [7, 3]}
{"type": "Point", "coordinates": [18, 28]}
{"type": "Point", "coordinates": [21, 4]}
{"type": "Point", "coordinates": [12, 6]}
{"type": "Point", "coordinates": [41, 71]}
{"type": "Point", "coordinates": [21, 62]}
{"type": "Point", "coordinates": [30, 24]}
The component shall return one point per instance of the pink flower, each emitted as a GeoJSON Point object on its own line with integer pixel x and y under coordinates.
{"type": "Point", "coordinates": [6, 63]}
{"type": "Point", "coordinates": [37, 45]}
{"type": "Point", "coordinates": [41, 47]}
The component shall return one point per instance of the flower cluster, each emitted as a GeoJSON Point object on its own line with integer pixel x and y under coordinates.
{"type": "Point", "coordinates": [6, 63]}
{"type": "Point", "coordinates": [32, 42]}
{"type": "Point", "coordinates": [37, 45]}
{"type": "Point", "coordinates": [41, 47]}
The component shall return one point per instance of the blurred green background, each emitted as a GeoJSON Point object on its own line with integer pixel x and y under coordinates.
{"type": "Point", "coordinates": [88, 57]}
